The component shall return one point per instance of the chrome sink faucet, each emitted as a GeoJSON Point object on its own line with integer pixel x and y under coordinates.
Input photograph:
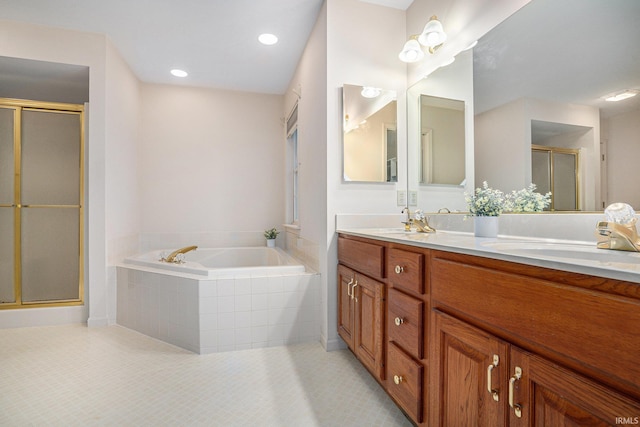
{"type": "Point", "coordinates": [173, 256]}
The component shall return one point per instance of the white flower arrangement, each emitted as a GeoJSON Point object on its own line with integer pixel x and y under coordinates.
{"type": "Point", "coordinates": [527, 200]}
{"type": "Point", "coordinates": [485, 201]}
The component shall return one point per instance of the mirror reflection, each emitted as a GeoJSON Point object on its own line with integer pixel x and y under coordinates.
{"type": "Point", "coordinates": [370, 148]}
{"type": "Point", "coordinates": [441, 140]}
{"type": "Point", "coordinates": [540, 82]}
{"type": "Point", "coordinates": [439, 149]}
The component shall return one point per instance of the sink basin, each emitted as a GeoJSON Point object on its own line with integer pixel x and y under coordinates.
{"type": "Point", "coordinates": [563, 251]}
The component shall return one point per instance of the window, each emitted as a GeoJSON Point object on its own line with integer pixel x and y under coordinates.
{"type": "Point", "coordinates": [293, 165]}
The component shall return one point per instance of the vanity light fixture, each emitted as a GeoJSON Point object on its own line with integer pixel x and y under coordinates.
{"type": "Point", "coordinates": [620, 96]}
{"type": "Point", "coordinates": [268, 39]}
{"type": "Point", "coordinates": [179, 73]}
{"type": "Point", "coordinates": [412, 51]}
{"type": "Point", "coordinates": [432, 37]}
{"type": "Point", "coordinates": [370, 92]}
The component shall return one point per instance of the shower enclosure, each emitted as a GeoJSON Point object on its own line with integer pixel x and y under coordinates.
{"type": "Point", "coordinates": [41, 203]}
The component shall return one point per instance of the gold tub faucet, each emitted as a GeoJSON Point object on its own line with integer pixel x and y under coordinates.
{"type": "Point", "coordinates": [173, 255]}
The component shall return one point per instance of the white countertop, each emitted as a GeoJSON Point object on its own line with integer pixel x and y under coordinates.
{"type": "Point", "coordinates": [574, 256]}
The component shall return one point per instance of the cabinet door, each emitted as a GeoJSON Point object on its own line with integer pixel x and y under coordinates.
{"type": "Point", "coordinates": [468, 375]}
{"type": "Point", "coordinates": [369, 309]}
{"type": "Point", "coordinates": [346, 318]}
{"type": "Point", "coordinates": [549, 395]}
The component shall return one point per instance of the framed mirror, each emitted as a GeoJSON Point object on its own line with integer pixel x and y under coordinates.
{"type": "Point", "coordinates": [540, 79]}
{"type": "Point", "coordinates": [370, 146]}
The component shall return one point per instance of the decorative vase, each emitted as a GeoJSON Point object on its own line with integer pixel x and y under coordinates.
{"type": "Point", "coordinates": [271, 243]}
{"type": "Point", "coordinates": [485, 226]}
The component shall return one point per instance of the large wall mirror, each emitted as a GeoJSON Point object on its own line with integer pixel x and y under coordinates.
{"type": "Point", "coordinates": [370, 146]}
{"type": "Point", "coordinates": [540, 82]}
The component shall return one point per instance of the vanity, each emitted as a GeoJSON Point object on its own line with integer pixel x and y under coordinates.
{"type": "Point", "coordinates": [470, 331]}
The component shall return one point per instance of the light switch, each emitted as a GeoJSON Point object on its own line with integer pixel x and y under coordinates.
{"type": "Point", "coordinates": [413, 198]}
{"type": "Point", "coordinates": [402, 198]}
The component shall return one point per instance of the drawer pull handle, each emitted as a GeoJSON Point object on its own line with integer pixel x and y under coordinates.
{"type": "Point", "coordinates": [399, 321]}
{"type": "Point", "coordinates": [353, 291]}
{"type": "Point", "coordinates": [494, 364]}
{"type": "Point", "coordinates": [399, 269]}
{"type": "Point", "coordinates": [517, 408]}
{"type": "Point", "coordinates": [397, 379]}
{"type": "Point", "coordinates": [349, 294]}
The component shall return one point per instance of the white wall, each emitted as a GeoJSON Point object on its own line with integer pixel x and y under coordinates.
{"type": "Point", "coordinates": [122, 199]}
{"type": "Point", "coordinates": [210, 160]}
{"type": "Point", "coordinates": [623, 152]}
{"type": "Point", "coordinates": [363, 41]}
{"type": "Point", "coordinates": [310, 80]}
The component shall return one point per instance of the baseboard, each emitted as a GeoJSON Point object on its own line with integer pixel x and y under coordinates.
{"type": "Point", "coordinates": [94, 322]}
{"type": "Point", "coordinates": [332, 345]}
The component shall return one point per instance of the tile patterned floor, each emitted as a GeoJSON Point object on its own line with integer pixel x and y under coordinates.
{"type": "Point", "coordinates": [78, 376]}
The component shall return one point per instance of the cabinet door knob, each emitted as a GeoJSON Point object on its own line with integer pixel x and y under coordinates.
{"type": "Point", "coordinates": [517, 408]}
{"type": "Point", "coordinates": [349, 288]}
{"type": "Point", "coordinates": [399, 321]}
{"type": "Point", "coordinates": [494, 364]}
{"type": "Point", "coordinates": [397, 379]}
{"type": "Point", "coordinates": [399, 269]}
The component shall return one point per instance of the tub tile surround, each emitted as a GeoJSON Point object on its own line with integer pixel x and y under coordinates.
{"type": "Point", "coordinates": [222, 239]}
{"type": "Point", "coordinates": [208, 316]}
{"type": "Point", "coordinates": [303, 249]}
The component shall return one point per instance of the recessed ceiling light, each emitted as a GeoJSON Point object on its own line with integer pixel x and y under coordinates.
{"type": "Point", "coordinates": [620, 96]}
{"type": "Point", "coordinates": [267, 39]}
{"type": "Point", "coordinates": [179, 73]}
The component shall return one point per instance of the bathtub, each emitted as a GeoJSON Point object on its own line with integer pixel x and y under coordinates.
{"type": "Point", "coordinates": [220, 299]}
{"type": "Point", "coordinates": [224, 262]}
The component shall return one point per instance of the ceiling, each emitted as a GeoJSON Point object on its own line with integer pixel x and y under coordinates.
{"type": "Point", "coordinates": [215, 41]}
{"type": "Point", "coordinates": [569, 51]}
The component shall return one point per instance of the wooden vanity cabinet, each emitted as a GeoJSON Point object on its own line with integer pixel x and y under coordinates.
{"type": "Point", "coordinates": [512, 347]}
{"type": "Point", "coordinates": [361, 307]}
{"type": "Point", "coordinates": [407, 308]}
{"type": "Point", "coordinates": [460, 340]}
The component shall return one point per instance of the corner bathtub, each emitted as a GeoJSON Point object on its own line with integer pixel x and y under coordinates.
{"type": "Point", "coordinates": [220, 299]}
{"type": "Point", "coordinates": [224, 262]}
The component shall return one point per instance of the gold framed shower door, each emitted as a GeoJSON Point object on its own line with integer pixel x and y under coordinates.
{"type": "Point", "coordinates": [46, 202]}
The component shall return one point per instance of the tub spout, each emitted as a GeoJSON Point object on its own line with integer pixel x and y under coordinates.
{"type": "Point", "coordinates": [173, 255]}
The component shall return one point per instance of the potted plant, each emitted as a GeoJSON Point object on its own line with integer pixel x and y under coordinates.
{"type": "Point", "coordinates": [271, 235]}
{"type": "Point", "coordinates": [485, 205]}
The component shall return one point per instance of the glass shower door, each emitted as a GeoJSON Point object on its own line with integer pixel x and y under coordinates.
{"type": "Point", "coordinates": [41, 197]}
{"type": "Point", "coordinates": [50, 213]}
{"type": "Point", "coordinates": [7, 169]}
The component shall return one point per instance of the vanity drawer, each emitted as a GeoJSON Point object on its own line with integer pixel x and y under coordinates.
{"type": "Point", "coordinates": [405, 382]}
{"type": "Point", "coordinates": [406, 270]}
{"type": "Point", "coordinates": [367, 258]}
{"type": "Point", "coordinates": [405, 322]}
